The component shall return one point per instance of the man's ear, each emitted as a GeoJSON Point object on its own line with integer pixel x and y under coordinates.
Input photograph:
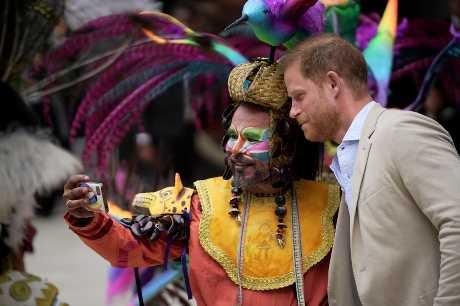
{"type": "Point", "coordinates": [334, 83]}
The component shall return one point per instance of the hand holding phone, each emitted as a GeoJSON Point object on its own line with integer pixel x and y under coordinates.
{"type": "Point", "coordinates": [95, 196]}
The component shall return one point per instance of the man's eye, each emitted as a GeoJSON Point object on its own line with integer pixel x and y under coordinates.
{"type": "Point", "coordinates": [232, 136]}
{"type": "Point", "coordinates": [250, 139]}
{"type": "Point", "coordinates": [298, 98]}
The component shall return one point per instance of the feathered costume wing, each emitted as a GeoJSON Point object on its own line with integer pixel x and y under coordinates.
{"type": "Point", "coordinates": [29, 163]}
{"type": "Point", "coordinates": [122, 63]}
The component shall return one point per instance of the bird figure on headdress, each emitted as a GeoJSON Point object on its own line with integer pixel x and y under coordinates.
{"type": "Point", "coordinates": [282, 22]}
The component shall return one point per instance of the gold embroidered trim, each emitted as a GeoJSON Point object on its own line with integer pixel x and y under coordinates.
{"type": "Point", "coordinates": [257, 283]}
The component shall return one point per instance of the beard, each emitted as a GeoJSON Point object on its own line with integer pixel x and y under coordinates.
{"type": "Point", "coordinates": [322, 125]}
{"type": "Point", "coordinates": [258, 176]}
{"type": "Point", "coordinates": [248, 172]}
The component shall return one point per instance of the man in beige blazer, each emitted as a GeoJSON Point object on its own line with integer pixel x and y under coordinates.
{"type": "Point", "coordinates": [397, 240]}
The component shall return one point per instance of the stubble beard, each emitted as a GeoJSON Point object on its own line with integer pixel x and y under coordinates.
{"type": "Point", "coordinates": [325, 125]}
{"type": "Point", "coordinates": [260, 176]}
{"type": "Point", "coordinates": [251, 176]}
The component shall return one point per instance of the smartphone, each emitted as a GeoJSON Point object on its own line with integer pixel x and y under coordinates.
{"type": "Point", "coordinates": [95, 196]}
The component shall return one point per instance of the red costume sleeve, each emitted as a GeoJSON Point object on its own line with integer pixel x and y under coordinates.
{"type": "Point", "coordinates": [118, 245]}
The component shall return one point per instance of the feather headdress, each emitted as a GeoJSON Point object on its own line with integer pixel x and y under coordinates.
{"type": "Point", "coordinates": [113, 68]}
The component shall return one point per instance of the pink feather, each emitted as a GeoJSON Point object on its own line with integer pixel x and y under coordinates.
{"type": "Point", "coordinates": [120, 281]}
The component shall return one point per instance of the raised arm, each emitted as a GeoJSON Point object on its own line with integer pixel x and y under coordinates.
{"type": "Point", "coordinates": [143, 241]}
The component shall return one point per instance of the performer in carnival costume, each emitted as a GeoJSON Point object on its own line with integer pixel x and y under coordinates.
{"type": "Point", "coordinates": [123, 64]}
{"type": "Point", "coordinates": [251, 234]}
{"type": "Point", "coordinates": [30, 162]}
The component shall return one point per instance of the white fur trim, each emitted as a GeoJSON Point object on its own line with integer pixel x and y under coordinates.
{"type": "Point", "coordinates": [29, 163]}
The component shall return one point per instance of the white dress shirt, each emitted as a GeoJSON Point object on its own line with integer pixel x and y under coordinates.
{"type": "Point", "coordinates": [344, 161]}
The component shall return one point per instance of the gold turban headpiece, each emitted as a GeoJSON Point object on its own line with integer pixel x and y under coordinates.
{"type": "Point", "coordinates": [258, 82]}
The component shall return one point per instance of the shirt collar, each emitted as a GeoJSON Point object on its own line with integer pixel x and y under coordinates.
{"type": "Point", "coordinates": [354, 131]}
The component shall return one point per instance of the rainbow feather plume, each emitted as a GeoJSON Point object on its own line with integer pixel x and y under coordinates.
{"type": "Point", "coordinates": [379, 52]}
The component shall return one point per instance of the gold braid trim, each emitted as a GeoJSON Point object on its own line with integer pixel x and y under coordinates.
{"type": "Point", "coordinates": [265, 283]}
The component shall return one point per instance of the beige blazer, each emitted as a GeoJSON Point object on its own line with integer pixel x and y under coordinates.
{"type": "Point", "coordinates": [400, 244]}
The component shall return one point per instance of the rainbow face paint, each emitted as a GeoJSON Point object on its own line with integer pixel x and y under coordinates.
{"type": "Point", "coordinates": [252, 141]}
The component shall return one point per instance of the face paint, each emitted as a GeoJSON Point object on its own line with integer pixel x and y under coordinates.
{"type": "Point", "coordinates": [252, 141]}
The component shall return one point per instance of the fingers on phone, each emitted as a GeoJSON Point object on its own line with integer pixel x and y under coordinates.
{"type": "Point", "coordinates": [75, 204]}
{"type": "Point", "coordinates": [75, 180]}
{"type": "Point", "coordinates": [76, 193]}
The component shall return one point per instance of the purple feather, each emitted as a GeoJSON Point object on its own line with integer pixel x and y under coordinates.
{"type": "Point", "coordinates": [109, 108]}
{"type": "Point", "coordinates": [150, 54]}
{"type": "Point", "coordinates": [127, 117]}
{"type": "Point", "coordinates": [110, 27]}
{"type": "Point", "coordinates": [289, 8]}
{"type": "Point", "coordinates": [131, 113]}
{"type": "Point", "coordinates": [120, 281]}
{"type": "Point", "coordinates": [105, 82]}
{"type": "Point", "coordinates": [416, 66]}
{"type": "Point", "coordinates": [117, 114]}
{"type": "Point", "coordinates": [313, 19]}
{"type": "Point", "coordinates": [366, 30]}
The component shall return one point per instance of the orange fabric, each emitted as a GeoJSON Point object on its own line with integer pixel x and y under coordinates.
{"type": "Point", "coordinates": [209, 281]}
{"type": "Point", "coordinates": [117, 244]}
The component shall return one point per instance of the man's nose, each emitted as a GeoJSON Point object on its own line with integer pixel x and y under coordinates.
{"type": "Point", "coordinates": [238, 145]}
{"type": "Point", "coordinates": [294, 111]}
